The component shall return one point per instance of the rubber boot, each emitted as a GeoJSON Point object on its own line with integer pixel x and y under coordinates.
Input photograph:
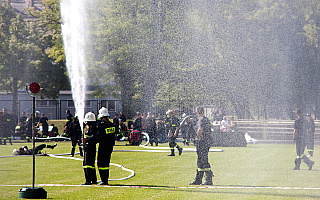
{"type": "Point", "coordinates": [172, 153]}
{"type": "Point", "coordinates": [309, 162]}
{"type": "Point", "coordinates": [209, 175]}
{"type": "Point", "coordinates": [81, 153]}
{"type": "Point", "coordinates": [10, 141]}
{"type": "Point", "coordinates": [198, 179]}
{"type": "Point", "coordinates": [86, 175]}
{"type": "Point", "coordinates": [92, 176]}
{"type": "Point", "coordinates": [1, 142]}
{"type": "Point", "coordinates": [72, 151]}
{"type": "Point", "coordinates": [5, 142]}
{"type": "Point", "coordinates": [104, 174]}
{"type": "Point", "coordinates": [297, 163]}
{"type": "Point", "coordinates": [180, 150]}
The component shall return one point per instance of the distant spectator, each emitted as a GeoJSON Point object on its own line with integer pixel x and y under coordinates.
{"type": "Point", "coordinates": [224, 124]}
{"type": "Point", "coordinates": [44, 121]}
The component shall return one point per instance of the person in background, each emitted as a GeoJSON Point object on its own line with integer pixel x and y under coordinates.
{"type": "Point", "coordinates": [173, 123]}
{"type": "Point", "coordinates": [23, 118]}
{"type": "Point", "coordinates": [310, 135]}
{"type": "Point", "coordinates": [8, 126]}
{"type": "Point", "coordinates": [116, 122]}
{"type": "Point", "coordinates": [69, 119]}
{"type": "Point", "coordinates": [152, 129]}
{"type": "Point", "coordinates": [25, 151]}
{"type": "Point", "coordinates": [75, 134]}
{"type": "Point", "coordinates": [224, 124]}
{"type": "Point", "coordinates": [300, 137]}
{"type": "Point", "coordinates": [123, 117]}
{"type": "Point", "coordinates": [54, 130]}
{"type": "Point", "coordinates": [44, 121]}
{"type": "Point", "coordinates": [203, 145]}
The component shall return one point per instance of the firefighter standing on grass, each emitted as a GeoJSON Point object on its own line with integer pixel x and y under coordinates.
{"type": "Point", "coordinates": [173, 124]}
{"type": "Point", "coordinates": [106, 143]}
{"type": "Point", "coordinates": [75, 134]}
{"type": "Point", "coordinates": [300, 137]}
{"type": "Point", "coordinates": [90, 139]}
{"type": "Point", "coordinates": [203, 145]}
{"type": "Point", "coordinates": [8, 125]}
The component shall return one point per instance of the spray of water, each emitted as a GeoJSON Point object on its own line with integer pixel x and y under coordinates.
{"type": "Point", "coordinates": [74, 33]}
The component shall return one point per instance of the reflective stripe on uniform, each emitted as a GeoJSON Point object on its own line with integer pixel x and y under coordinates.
{"type": "Point", "coordinates": [204, 170]}
{"type": "Point", "coordinates": [110, 130]}
{"type": "Point", "coordinates": [88, 167]}
{"type": "Point", "coordinates": [310, 150]}
{"type": "Point", "coordinates": [103, 168]}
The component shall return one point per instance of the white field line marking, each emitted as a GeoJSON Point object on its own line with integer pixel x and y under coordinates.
{"type": "Point", "coordinates": [168, 187]}
{"type": "Point", "coordinates": [114, 164]}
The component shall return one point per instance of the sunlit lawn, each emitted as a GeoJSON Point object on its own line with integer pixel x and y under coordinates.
{"type": "Point", "coordinates": [268, 165]}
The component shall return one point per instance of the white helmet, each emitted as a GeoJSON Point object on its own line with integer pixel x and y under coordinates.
{"type": "Point", "coordinates": [103, 112]}
{"type": "Point", "coordinates": [89, 117]}
{"type": "Point", "coordinates": [184, 115]}
{"type": "Point", "coordinates": [15, 152]}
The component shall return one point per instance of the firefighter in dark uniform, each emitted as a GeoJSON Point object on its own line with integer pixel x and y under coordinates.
{"type": "Point", "coordinates": [7, 127]}
{"type": "Point", "coordinates": [203, 145]}
{"type": "Point", "coordinates": [173, 123]}
{"type": "Point", "coordinates": [106, 143]}
{"type": "Point", "coordinates": [300, 136]}
{"type": "Point", "coordinates": [75, 134]}
{"type": "Point", "coordinates": [69, 119]}
{"type": "Point", "coordinates": [90, 139]}
{"type": "Point", "coordinates": [310, 135]}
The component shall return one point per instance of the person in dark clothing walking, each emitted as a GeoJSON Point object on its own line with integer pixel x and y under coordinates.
{"type": "Point", "coordinates": [300, 136]}
{"type": "Point", "coordinates": [25, 151]}
{"type": "Point", "coordinates": [75, 134]}
{"type": "Point", "coordinates": [90, 139]}
{"type": "Point", "coordinates": [310, 135]}
{"type": "Point", "coordinates": [173, 124]}
{"type": "Point", "coordinates": [203, 145]}
{"type": "Point", "coordinates": [106, 143]}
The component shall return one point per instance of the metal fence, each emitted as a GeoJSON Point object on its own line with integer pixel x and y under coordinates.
{"type": "Point", "coordinates": [272, 130]}
{"type": "Point", "coordinates": [55, 109]}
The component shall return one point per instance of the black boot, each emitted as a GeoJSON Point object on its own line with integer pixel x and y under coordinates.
{"type": "Point", "coordinates": [297, 163]}
{"type": "Point", "coordinates": [92, 176]}
{"type": "Point", "coordinates": [10, 141]}
{"type": "Point", "coordinates": [5, 142]}
{"type": "Point", "coordinates": [309, 162]}
{"type": "Point", "coordinates": [209, 176]}
{"type": "Point", "coordinates": [198, 179]}
{"type": "Point", "coordinates": [180, 150]}
{"type": "Point", "coordinates": [172, 153]}
{"type": "Point", "coordinates": [52, 146]}
{"type": "Point", "coordinates": [104, 174]}
{"type": "Point", "coordinates": [86, 175]}
{"type": "Point", "coordinates": [81, 153]}
{"type": "Point", "coordinates": [72, 151]}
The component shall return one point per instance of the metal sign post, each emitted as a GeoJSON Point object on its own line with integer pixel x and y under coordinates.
{"type": "Point", "coordinates": [34, 192]}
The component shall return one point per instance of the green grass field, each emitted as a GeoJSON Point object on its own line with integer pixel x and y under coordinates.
{"type": "Point", "coordinates": [163, 177]}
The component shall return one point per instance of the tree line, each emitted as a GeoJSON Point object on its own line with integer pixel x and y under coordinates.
{"type": "Point", "coordinates": [255, 58]}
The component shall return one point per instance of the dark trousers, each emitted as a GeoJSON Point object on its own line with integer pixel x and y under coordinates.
{"type": "Point", "coordinates": [202, 152]}
{"type": "Point", "coordinates": [89, 163]}
{"type": "Point", "coordinates": [104, 156]}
